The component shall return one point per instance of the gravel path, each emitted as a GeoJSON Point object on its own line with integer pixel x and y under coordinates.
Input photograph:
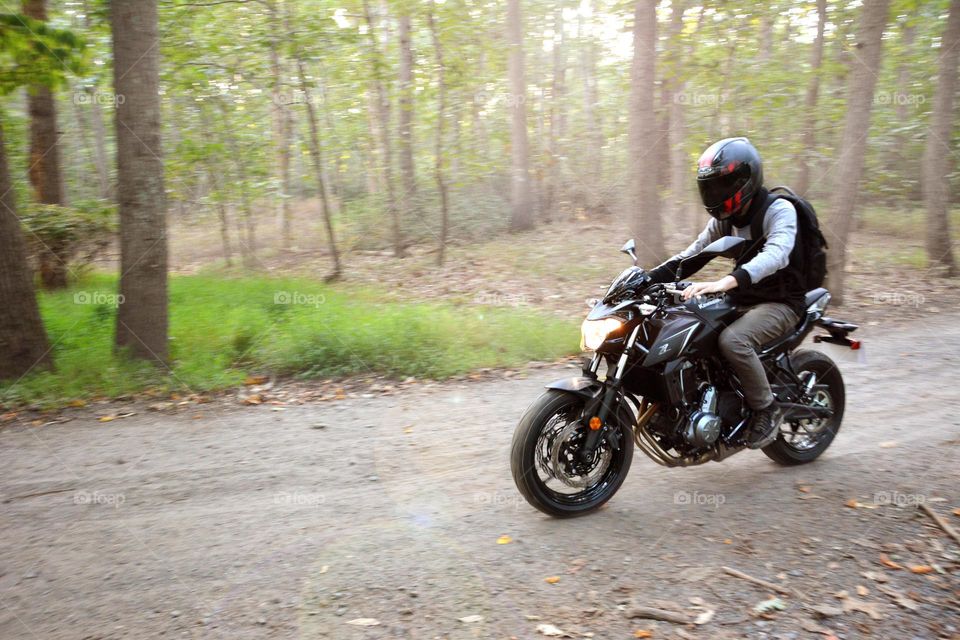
{"type": "Point", "coordinates": [253, 522]}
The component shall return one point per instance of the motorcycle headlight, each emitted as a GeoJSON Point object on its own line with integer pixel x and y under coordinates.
{"type": "Point", "coordinates": [594, 332]}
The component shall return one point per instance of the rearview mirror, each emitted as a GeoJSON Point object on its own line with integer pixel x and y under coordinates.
{"type": "Point", "coordinates": [726, 247]}
{"type": "Point", "coordinates": [630, 248]}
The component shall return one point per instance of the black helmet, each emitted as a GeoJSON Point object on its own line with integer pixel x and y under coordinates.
{"type": "Point", "coordinates": [729, 174]}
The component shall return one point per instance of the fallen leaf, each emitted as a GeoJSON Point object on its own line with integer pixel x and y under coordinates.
{"type": "Point", "coordinates": [956, 512]}
{"type": "Point", "coordinates": [921, 568]}
{"type": "Point", "coordinates": [252, 380]}
{"type": "Point", "coordinates": [643, 633]}
{"type": "Point", "coordinates": [876, 576]}
{"type": "Point", "coordinates": [471, 619]}
{"type": "Point", "coordinates": [825, 610]}
{"type": "Point", "coordinates": [862, 590]}
{"type": "Point", "coordinates": [504, 540]}
{"type": "Point", "coordinates": [872, 609]}
{"type": "Point", "coordinates": [107, 418]}
{"type": "Point", "coordinates": [576, 565]}
{"type": "Point", "coordinates": [887, 562]}
{"type": "Point", "coordinates": [803, 489]}
{"type": "Point", "coordinates": [552, 580]}
{"type": "Point", "coordinates": [408, 430]}
{"type": "Point", "coordinates": [852, 503]}
{"type": "Point", "coordinates": [727, 541]}
{"type": "Point", "coordinates": [254, 399]}
{"type": "Point", "coordinates": [889, 444]}
{"type": "Point", "coordinates": [340, 394]}
{"type": "Point", "coordinates": [364, 622]}
{"type": "Point", "coordinates": [773, 604]}
{"type": "Point", "coordinates": [704, 617]}
{"type": "Point", "coordinates": [76, 404]}
{"type": "Point", "coordinates": [550, 630]}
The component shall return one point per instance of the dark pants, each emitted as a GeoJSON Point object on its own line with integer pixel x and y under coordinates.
{"type": "Point", "coordinates": [738, 343]}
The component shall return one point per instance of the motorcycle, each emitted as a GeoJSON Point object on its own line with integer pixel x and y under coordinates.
{"type": "Point", "coordinates": [668, 390]}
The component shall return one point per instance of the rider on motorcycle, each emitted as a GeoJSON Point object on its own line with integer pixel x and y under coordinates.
{"type": "Point", "coordinates": [764, 282]}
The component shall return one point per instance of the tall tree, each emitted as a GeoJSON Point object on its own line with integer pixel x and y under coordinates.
{"type": "Point", "coordinates": [644, 142]}
{"type": "Point", "coordinates": [142, 313]}
{"type": "Point", "coordinates": [44, 170]}
{"type": "Point", "coordinates": [810, 102]}
{"type": "Point", "coordinates": [316, 154]}
{"type": "Point", "coordinates": [521, 216]}
{"type": "Point", "coordinates": [23, 340]}
{"type": "Point", "coordinates": [939, 151]}
{"type": "Point", "coordinates": [383, 116]}
{"type": "Point", "coordinates": [856, 125]}
{"type": "Point", "coordinates": [441, 117]}
{"type": "Point", "coordinates": [407, 167]}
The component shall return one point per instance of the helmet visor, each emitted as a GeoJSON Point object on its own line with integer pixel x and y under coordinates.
{"type": "Point", "coordinates": [715, 189]}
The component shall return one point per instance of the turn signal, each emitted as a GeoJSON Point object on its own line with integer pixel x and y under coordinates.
{"type": "Point", "coordinates": [594, 423]}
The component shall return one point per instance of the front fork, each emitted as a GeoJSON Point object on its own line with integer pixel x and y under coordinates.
{"type": "Point", "coordinates": [597, 411]}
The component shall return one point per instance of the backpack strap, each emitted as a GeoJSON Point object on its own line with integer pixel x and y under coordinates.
{"type": "Point", "coordinates": [756, 225]}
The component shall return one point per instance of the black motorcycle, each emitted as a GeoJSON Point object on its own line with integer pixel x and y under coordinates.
{"type": "Point", "coordinates": [667, 388]}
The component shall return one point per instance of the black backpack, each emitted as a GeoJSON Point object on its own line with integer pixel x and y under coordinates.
{"type": "Point", "coordinates": [811, 246]}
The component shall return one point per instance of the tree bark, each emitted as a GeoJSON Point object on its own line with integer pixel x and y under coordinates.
{"type": "Point", "coordinates": [406, 118]}
{"type": "Point", "coordinates": [557, 115]}
{"type": "Point", "coordinates": [856, 125]}
{"type": "Point", "coordinates": [281, 128]}
{"type": "Point", "coordinates": [643, 140]}
{"type": "Point", "coordinates": [938, 151]}
{"type": "Point", "coordinates": [809, 141]}
{"type": "Point", "coordinates": [383, 115]}
{"type": "Point", "coordinates": [441, 116]}
{"type": "Point", "coordinates": [142, 313]}
{"type": "Point", "coordinates": [317, 156]}
{"type": "Point", "coordinates": [44, 170]}
{"type": "Point", "coordinates": [521, 217]}
{"type": "Point", "coordinates": [23, 340]}
{"type": "Point", "coordinates": [591, 106]}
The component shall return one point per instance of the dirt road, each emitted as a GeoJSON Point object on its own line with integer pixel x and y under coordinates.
{"type": "Point", "coordinates": [255, 522]}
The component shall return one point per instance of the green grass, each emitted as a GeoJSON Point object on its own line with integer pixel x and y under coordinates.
{"type": "Point", "coordinates": [221, 330]}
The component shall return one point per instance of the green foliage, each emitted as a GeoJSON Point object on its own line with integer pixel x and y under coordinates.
{"type": "Point", "coordinates": [77, 233]}
{"type": "Point", "coordinates": [32, 52]}
{"type": "Point", "coordinates": [221, 330]}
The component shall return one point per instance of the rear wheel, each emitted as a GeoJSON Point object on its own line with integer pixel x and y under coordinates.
{"type": "Point", "coordinates": [802, 440]}
{"type": "Point", "coordinates": [545, 462]}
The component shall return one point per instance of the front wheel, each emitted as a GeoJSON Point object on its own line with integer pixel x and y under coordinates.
{"type": "Point", "coordinates": [803, 440]}
{"type": "Point", "coordinates": [545, 457]}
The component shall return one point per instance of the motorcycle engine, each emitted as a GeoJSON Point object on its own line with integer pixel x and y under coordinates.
{"type": "Point", "coordinates": [703, 427]}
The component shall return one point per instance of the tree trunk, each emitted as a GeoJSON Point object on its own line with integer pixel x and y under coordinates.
{"type": "Point", "coordinates": [23, 340]}
{"type": "Point", "coordinates": [441, 116]}
{"type": "Point", "coordinates": [317, 156]}
{"type": "Point", "coordinates": [213, 171]}
{"type": "Point", "coordinates": [44, 171]}
{"type": "Point", "coordinates": [807, 147]}
{"type": "Point", "coordinates": [856, 126]}
{"type": "Point", "coordinates": [676, 175]}
{"type": "Point", "coordinates": [142, 313]}
{"type": "Point", "coordinates": [281, 128]}
{"type": "Point", "coordinates": [383, 115]}
{"type": "Point", "coordinates": [642, 137]}
{"type": "Point", "coordinates": [591, 107]}
{"type": "Point", "coordinates": [247, 233]}
{"type": "Point", "coordinates": [938, 151]}
{"type": "Point", "coordinates": [407, 166]}
{"type": "Point", "coordinates": [556, 132]}
{"type": "Point", "coordinates": [521, 217]}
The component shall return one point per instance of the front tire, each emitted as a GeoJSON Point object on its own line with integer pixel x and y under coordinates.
{"type": "Point", "coordinates": [556, 414]}
{"type": "Point", "coordinates": [792, 447]}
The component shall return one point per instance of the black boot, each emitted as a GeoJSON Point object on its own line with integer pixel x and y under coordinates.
{"type": "Point", "coordinates": [764, 426]}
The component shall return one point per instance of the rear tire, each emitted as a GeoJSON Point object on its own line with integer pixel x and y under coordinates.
{"type": "Point", "coordinates": [781, 450]}
{"type": "Point", "coordinates": [524, 455]}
